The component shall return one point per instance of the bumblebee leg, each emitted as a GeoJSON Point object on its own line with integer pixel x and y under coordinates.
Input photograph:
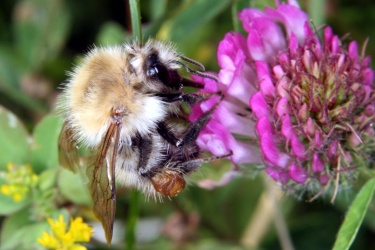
{"type": "Point", "coordinates": [190, 99]}
{"type": "Point", "coordinates": [170, 97]}
{"type": "Point", "coordinates": [166, 133]}
{"type": "Point", "coordinates": [194, 98]}
{"type": "Point", "coordinates": [144, 145]}
{"type": "Point", "coordinates": [192, 165]}
{"type": "Point", "coordinates": [193, 131]}
{"type": "Point", "coordinates": [191, 134]}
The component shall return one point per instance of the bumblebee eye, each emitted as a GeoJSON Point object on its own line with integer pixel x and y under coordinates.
{"type": "Point", "coordinates": [157, 70]}
{"type": "Point", "coordinates": [161, 73]}
{"type": "Point", "coordinates": [152, 65]}
{"type": "Point", "coordinates": [152, 71]}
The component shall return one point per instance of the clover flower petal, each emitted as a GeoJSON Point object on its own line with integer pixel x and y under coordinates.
{"type": "Point", "coordinates": [307, 102]}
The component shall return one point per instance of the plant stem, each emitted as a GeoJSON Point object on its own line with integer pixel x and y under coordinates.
{"type": "Point", "coordinates": [236, 23]}
{"type": "Point", "coordinates": [130, 239]}
{"type": "Point", "coordinates": [267, 211]}
{"type": "Point", "coordinates": [317, 12]}
{"type": "Point", "coordinates": [135, 14]}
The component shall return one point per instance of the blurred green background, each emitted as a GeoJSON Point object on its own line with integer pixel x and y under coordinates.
{"type": "Point", "coordinates": [40, 40]}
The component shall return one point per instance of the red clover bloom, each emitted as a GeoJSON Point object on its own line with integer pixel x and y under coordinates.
{"type": "Point", "coordinates": [301, 104]}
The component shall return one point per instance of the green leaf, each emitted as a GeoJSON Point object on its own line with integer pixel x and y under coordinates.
{"type": "Point", "coordinates": [10, 80]}
{"type": "Point", "coordinates": [45, 148]}
{"type": "Point", "coordinates": [157, 8]}
{"type": "Point", "coordinates": [13, 222]}
{"type": "Point", "coordinates": [111, 34]}
{"type": "Point", "coordinates": [73, 187]}
{"type": "Point", "coordinates": [41, 33]}
{"type": "Point", "coordinates": [193, 17]}
{"type": "Point", "coordinates": [14, 146]}
{"type": "Point", "coordinates": [354, 217]}
{"type": "Point", "coordinates": [47, 179]}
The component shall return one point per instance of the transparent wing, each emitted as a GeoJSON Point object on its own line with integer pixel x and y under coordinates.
{"type": "Point", "coordinates": [101, 174]}
{"type": "Point", "coordinates": [68, 154]}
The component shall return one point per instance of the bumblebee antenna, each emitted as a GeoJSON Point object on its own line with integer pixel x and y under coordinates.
{"type": "Point", "coordinates": [206, 76]}
{"type": "Point", "coordinates": [191, 61]}
{"type": "Point", "coordinates": [196, 72]}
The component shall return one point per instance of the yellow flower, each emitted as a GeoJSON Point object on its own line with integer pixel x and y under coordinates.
{"type": "Point", "coordinates": [19, 181]}
{"type": "Point", "coordinates": [49, 241]}
{"type": "Point", "coordinates": [60, 239]}
{"type": "Point", "coordinates": [80, 230]}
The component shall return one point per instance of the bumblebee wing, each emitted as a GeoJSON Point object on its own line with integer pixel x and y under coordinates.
{"type": "Point", "coordinates": [101, 176]}
{"type": "Point", "coordinates": [68, 154]}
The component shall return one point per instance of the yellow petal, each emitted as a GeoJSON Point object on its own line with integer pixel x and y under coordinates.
{"type": "Point", "coordinates": [17, 197]}
{"type": "Point", "coordinates": [80, 230]}
{"type": "Point", "coordinates": [58, 227]}
{"type": "Point", "coordinates": [10, 166]}
{"type": "Point", "coordinates": [5, 189]}
{"type": "Point", "coordinates": [48, 241]}
{"type": "Point", "coordinates": [77, 247]}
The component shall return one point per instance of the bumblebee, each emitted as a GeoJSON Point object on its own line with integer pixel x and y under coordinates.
{"type": "Point", "coordinates": [124, 104]}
